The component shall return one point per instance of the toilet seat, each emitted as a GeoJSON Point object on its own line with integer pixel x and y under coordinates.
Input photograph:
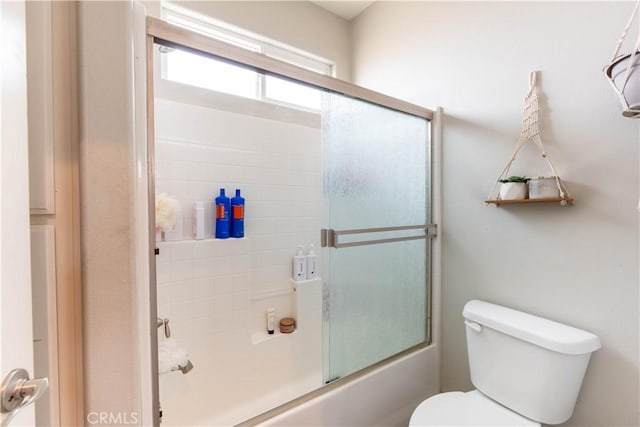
{"type": "Point", "coordinates": [466, 409]}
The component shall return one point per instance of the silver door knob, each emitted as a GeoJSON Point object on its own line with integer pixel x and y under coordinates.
{"type": "Point", "coordinates": [19, 391]}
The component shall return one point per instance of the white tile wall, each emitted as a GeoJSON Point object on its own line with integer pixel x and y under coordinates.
{"type": "Point", "coordinates": [235, 378]}
{"type": "Point", "coordinates": [212, 285]}
{"type": "Point", "coordinates": [215, 292]}
{"type": "Point", "coordinates": [203, 288]}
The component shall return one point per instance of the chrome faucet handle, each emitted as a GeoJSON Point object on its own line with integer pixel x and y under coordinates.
{"type": "Point", "coordinates": [164, 322]}
{"type": "Point", "coordinates": [167, 330]}
{"type": "Point", "coordinates": [186, 367]}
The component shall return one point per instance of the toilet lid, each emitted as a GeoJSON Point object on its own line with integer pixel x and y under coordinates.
{"type": "Point", "coordinates": [466, 409]}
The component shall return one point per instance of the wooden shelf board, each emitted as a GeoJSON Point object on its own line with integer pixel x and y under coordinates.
{"type": "Point", "coordinates": [499, 202]}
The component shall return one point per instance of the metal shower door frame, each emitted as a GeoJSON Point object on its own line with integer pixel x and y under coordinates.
{"type": "Point", "coordinates": [164, 33]}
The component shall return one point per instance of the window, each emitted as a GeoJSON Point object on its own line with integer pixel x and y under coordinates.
{"type": "Point", "coordinates": [217, 75]}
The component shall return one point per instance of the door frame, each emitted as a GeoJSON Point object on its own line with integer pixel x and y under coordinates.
{"type": "Point", "coordinates": [60, 108]}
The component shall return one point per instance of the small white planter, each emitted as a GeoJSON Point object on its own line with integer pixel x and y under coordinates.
{"type": "Point", "coordinates": [543, 188]}
{"type": "Point", "coordinates": [513, 191]}
{"type": "Point", "coordinates": [629, 94]}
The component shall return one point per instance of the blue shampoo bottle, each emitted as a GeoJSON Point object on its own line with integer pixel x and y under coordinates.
{"type": "Point", "coordinates": [237, 215]}
{"type": "Point", "coordinates": [222, 215]}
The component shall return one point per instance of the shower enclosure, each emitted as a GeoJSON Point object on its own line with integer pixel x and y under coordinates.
{"type": "Point", "coordinates": [347, 170]}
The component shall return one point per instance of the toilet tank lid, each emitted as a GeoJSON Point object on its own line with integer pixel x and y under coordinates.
{"type": "Point", "coordinates": [536, 330]}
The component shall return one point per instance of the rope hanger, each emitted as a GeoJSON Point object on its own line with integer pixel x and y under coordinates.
{"type": "Point", "coordinates": [619, 88]}
{"type": "Point", "coordinates": [531, 132]}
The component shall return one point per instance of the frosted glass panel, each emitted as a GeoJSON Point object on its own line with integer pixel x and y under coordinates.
{"type": "Point", "coordinates": [377, 304]}
{"type": "Point", "coordinates": [375, 174]}
{"type": "Point", "coordinates": [375, 164]}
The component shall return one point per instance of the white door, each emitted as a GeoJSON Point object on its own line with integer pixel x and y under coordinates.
{"type": "Point", "coordinates": [16, 341]}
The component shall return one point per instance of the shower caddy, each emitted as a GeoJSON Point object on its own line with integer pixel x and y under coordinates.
{"type": "Point", "coordinates": [623, 72]}
{"type": "Point", "coordinates": [531, 133]}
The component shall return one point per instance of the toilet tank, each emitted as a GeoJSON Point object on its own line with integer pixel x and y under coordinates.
{"type": "Point", "coordinates": [533, 366]}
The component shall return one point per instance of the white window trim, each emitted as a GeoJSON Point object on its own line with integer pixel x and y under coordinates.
{"type": "Point", "coordinates": [245, 39]}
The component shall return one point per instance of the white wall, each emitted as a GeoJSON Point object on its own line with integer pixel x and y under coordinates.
{"type": "Point", "coordinates": [577, 265]}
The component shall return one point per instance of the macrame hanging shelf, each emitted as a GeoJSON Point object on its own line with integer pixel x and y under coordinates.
{"type": "Point", "coordinates": [530, 133]}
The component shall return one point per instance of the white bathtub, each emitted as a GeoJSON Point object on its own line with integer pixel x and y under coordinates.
{"type": "Point", "coordinates": [383, 397]}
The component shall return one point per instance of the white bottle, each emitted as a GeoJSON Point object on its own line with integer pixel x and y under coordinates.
{"type": "Point", "coordinates": [312, 271]}
{"type": "Point", "coordinates": [175, 233]}
{"type": "Point", "coordinates": [198, 221]}
{"type": "Point", "coordinates": [299, 265]}
{"type": "Point", "coordinates": [271, 320]}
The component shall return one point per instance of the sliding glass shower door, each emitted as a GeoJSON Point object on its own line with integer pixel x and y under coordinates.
{"type": "Point", "coordinates": [376, 178]}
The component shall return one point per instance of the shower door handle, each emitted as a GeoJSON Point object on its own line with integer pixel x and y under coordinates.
{"type": "Point", "coordinates": [329, 237]}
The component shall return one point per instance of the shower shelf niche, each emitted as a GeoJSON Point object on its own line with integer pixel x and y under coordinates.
{"type": "Point", "coordinates": [306, 309]}
{"type": "Point", "coordinates": [260, 337]}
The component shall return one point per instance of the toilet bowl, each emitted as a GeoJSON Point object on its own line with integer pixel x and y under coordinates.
{"type": "Point", "coordinates": [527, 370]}
{"type": "Point", "coordinates": [466, 409]}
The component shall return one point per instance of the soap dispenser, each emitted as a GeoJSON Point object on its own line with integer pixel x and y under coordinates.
{"type": "Point", "coordinates": [299, 265]}
{"type": "Point", "coordinates": [312, 271]}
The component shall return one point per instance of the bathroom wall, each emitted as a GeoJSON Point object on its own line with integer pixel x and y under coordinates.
{"type": "Point", "coordinates": [577, 264]}
{"type": "Point", "coordinates": [276, 165]}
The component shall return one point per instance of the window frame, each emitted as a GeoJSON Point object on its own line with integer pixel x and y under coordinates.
{"type": "Point", "coordinates": [244, 39]}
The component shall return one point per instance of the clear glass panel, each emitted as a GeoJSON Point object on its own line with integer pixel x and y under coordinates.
{"type": "Point", "coordinates": [196, 70]}
{"type": "Point", "coordinates": [376, 174]}
{"type": "Point", "coordinates": [292, 93]}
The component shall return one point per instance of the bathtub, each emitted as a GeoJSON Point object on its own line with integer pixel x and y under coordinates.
{"type": "Point", "coordinates": [386, 395]}
{"type": "Point", "coordinates": [383, 396]}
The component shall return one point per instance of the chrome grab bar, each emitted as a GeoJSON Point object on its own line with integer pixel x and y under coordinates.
{"type": "Point", "coordinates": [329, 237]}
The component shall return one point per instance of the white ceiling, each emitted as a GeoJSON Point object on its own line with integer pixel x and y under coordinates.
{"type": "Point", "coordinates": [346, 9]}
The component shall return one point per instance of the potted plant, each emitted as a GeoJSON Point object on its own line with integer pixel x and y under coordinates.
{"type": "Point", "coordinates": [513, 188]}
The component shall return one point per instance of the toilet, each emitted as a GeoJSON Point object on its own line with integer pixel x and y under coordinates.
{"type": "Point", "coordinates": [527, 370]}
